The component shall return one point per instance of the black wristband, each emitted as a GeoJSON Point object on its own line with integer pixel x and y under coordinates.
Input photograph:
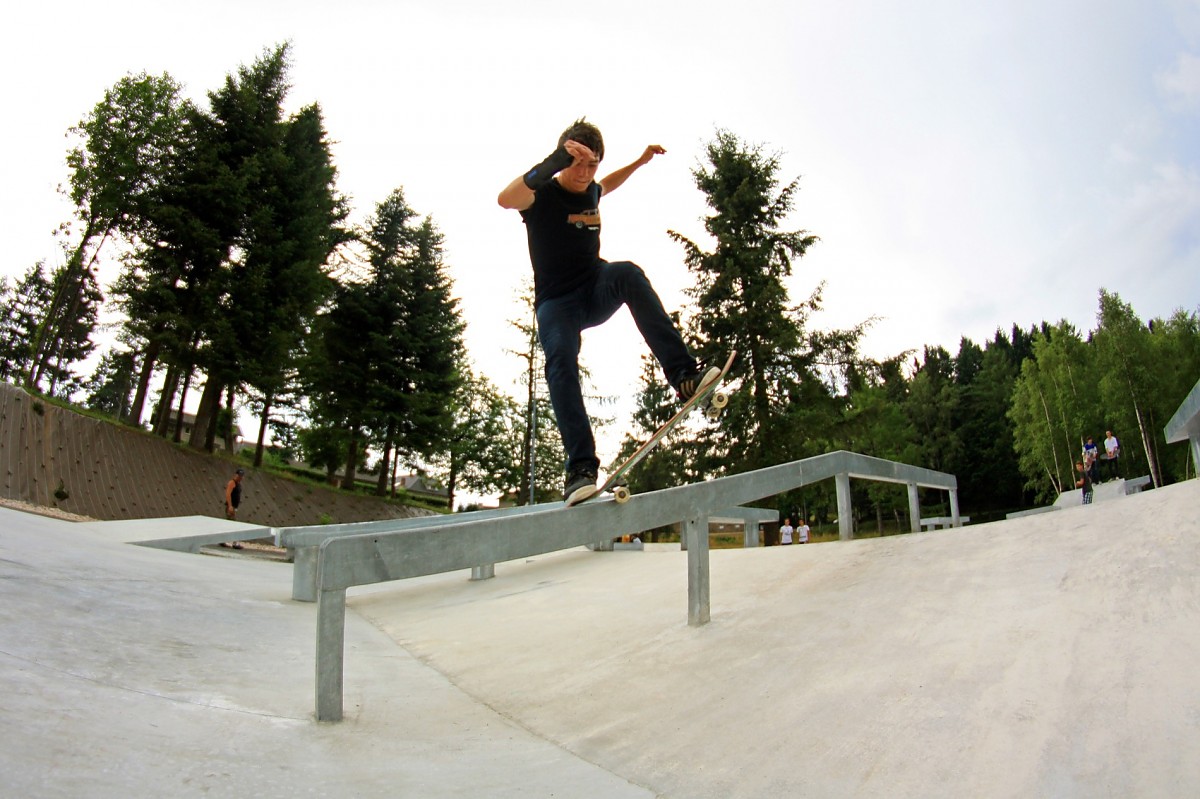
{"type": "Point", "coordinates": [541, 174]}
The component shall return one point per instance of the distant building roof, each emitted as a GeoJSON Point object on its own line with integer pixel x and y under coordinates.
{"type": "Point", "coordinates": [418, 484]}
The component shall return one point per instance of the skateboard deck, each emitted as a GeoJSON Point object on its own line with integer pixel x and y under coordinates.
{"type": "Point", "coordinates": [716, 399]}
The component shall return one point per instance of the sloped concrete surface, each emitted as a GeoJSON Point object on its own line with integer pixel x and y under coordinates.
{"type": "Point", "coordinates": [127, 671]}
{"type": "Point", "coordinates": [1048, 656]}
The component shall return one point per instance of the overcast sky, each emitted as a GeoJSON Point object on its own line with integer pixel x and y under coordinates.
{"type": "Point", "coordinates": [966, 166]}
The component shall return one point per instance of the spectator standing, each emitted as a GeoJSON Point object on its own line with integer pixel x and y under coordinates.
{"type": "Point", "coordinates": [233, 498]}
{"type": "Point", "coordinates": [1084, 482]}
{"type": "Point", "coordinates": [1090, 455]}
{"type": "Point", "coordinates": [1112, 448]}
{"type": "Point", "coordinates": [802, 533]}
{"type": "Point", "coordinates": [785, 532]}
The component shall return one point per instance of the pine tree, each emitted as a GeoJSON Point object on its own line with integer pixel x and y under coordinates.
{"type": "Point", "coordinates": [741, 298]}
{"type": "Point", "coordinates": [385, 354]}
{"type": "Point", "coordinates": [987, 469]}
{"type": "Point", "coordinates": [672, 462]}
{"type": "Point", "coordinates": [27, 302]}
{"type": "Point", "coordinates": [290, 224]}
{"type": "Point", "coordinates": [111, 385]}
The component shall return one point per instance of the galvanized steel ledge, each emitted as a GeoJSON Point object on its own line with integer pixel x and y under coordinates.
{"type": "Point", "coordinates": [452, 543]}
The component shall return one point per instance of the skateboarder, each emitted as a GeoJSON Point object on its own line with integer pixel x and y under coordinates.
{"type": "Point", "coordinates": [574, 288]}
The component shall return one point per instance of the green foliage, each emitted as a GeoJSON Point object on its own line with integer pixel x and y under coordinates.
{"type": "Point", "coordinates": [483, 452]}
{"type": "Point", "coordinates": [383, 355]}
{"type": "Point", "coordinates": [289, 223]}
{"type": "Point", "coordinates": [1175, 347]}
{"type": "Point", "coordinates": [230, 215]}
{"type": "Point", "coordinates": [111, 384]}
{"type": "Point", "coordinates": [1127, 377]}
{"type": "Point", "coordinates": [987, 467]}
{"type": "Point", "coordinates": [124, 157]}
{"type": "Point", "coordinates": [742, 302]}
{"type": "Point", "coordinates": [541, 455]}
{"type": "Point", "coordinates": [673, 462]}
{"type": "Point", "coordinates": [324, 447]}
{"type": "Point", "coordinates": [27, 303]}
{"type": "Point", "coordinates": [1052, 406]}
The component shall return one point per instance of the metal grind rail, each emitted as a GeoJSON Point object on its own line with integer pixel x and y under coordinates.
{"type": "Point", "coordinates": [368, 558]}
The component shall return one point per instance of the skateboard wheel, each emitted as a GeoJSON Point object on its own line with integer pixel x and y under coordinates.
{"type": "Point", "coordinates": [713, 414]}
{"type": "Point", "coordinates": [719, 400]}
{"type": "Point", "coordinates": [621, 494]}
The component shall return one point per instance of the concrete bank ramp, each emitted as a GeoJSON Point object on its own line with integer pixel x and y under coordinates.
{"type": "Point", "coordinates": [1048, 656]}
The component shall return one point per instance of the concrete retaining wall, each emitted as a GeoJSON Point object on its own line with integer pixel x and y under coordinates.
{"type": "Point", "coordinates": [109, 472]}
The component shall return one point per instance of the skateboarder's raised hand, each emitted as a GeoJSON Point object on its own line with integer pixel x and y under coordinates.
{"type": "Point", "coordinates": [580, 152]}
{"type": "Point", "coordinates": [611, 182]}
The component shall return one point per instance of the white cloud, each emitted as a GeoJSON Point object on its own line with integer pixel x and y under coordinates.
{"type": "Point", "coordinates": [1181, 83]}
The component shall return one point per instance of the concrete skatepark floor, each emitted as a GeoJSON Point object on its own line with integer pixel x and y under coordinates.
{"type": "Point", "coordinates": [1049, 656]}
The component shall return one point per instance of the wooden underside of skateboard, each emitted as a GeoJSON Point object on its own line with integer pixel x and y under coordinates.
{"type": "Point", "coordinates": [711, 398]}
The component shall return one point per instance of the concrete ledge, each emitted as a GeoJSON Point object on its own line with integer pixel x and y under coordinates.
{"type": "Point", "coordinates": [183, 534]}
{"type": "Point", "coordinates": [934, 522]}
{"type": "Point", "coordinates": [1020, 514]}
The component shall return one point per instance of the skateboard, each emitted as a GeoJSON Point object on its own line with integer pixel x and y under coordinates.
{"type": "Point", "coordinates": [714, 401]}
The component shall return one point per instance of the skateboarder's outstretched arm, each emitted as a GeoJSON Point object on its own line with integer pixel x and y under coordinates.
{"type": "Point", "coordinates": [613, 181]}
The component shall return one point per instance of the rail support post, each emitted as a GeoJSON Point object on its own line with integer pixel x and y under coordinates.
{"type": "Point", "coordinates": [845, 509]}
{"type": "Point", "coordinates": [695, 533]}
{"type": "Point", "coordinates": [331, 650]}
{"type": "Point", "coordinates": [914, 508]}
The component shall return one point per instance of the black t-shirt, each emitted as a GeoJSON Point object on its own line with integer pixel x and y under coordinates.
{"type": "Point", "coordinates": [564, 239]}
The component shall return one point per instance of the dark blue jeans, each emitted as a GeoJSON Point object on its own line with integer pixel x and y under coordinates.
{"type": "Point", "coordinates": [560, 321]}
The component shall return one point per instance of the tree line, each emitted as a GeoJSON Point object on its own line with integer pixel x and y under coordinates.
{"type": "Point", "coordinates": [1009, 417]}
{"type": "Point", "coordinates": [242, 279]}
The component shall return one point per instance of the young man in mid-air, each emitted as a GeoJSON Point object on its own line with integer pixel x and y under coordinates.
{"type": "Point", "coordinates": [574, 288]}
